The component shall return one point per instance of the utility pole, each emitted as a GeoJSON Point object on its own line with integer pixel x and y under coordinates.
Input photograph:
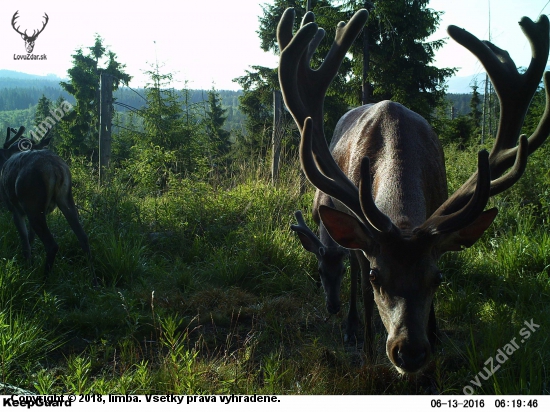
{"type": "Point", "coordinates": [105, 111]}
{"type": "Point", "coordinates": [487, 124]}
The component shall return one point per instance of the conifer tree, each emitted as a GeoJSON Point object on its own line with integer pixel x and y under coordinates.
{"type": "Point", "coordinates": [81, 136]}
{"type": "Point", "coordinates": [215, 118]}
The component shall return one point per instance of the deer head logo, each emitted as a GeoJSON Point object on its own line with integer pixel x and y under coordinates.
{"type": "Point", "coordinates": [29, 40]}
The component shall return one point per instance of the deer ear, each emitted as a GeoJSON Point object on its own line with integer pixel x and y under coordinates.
{"type": "Point", "coordinates": [308, 243]}
{"type": "Point", "coordinates": [346, 230]}
{"type": "Point", "coordinates": [466, 237]}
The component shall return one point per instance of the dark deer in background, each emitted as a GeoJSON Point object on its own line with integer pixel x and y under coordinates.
{"type": "Point", "coordinates": [29, 40]}
{"type": "Point", "coordinates": [330, 263]}
{"type": "Point", "coordinates": [385, 169]}
{"type": "Point", "coordinates": [32, 184]}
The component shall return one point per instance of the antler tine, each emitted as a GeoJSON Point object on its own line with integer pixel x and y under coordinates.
{"type": "Point", "coordinates": [44, 141]}
{"type": "Point", "coordinates": [303, 88]}
{"type": "Point", "coordinates": [304, 229]}
{"type": "Point", "coordinates": [543, 128]}
{"type": "Point", "coordinates": [304, 91]}
{"type": "Point", "coordinates": [506, 181]}
{"type": "Point", "coordinates": [441, 221]}
{"type": "Point", "coordinates": [18, 134]}
{"type": "Point", "coordinates": [290, 66]}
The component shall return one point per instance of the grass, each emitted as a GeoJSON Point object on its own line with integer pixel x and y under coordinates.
{"type": "Point", "coordinates": [206, 290]}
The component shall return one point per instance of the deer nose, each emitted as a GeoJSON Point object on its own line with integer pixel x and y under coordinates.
{"type": "Point", "coordinates": [410, 358]}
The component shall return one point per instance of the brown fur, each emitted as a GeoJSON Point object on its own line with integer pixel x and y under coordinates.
{"type": "Point", "coordinates": [409, 184]}
{"type": "Point", "coordinates": [407, 161]}
{"type": "Point", "coordinates": [33, 184]}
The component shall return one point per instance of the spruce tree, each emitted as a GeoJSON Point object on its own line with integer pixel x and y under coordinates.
{"type": "Point", "coordinates": [215, 118]}
{"type": "Point", "coordinates": [81, 135]}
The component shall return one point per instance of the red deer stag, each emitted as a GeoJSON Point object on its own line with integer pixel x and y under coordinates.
{"type": "Point", "coordinates": [385, 168]}
{"type": "Point", "coordinates": [32, 183]}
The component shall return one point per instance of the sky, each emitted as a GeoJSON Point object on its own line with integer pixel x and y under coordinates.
{"type": "Point", "coordinates": [209, 43]}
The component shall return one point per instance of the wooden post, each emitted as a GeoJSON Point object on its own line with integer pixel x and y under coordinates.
{"type": "Point", "coordinates": [105, 111]}
{"type": "Point", "coordinates": [277, 135]}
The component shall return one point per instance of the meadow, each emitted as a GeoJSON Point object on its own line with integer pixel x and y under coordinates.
{"type": "Point", "coordinates": [206, 290]}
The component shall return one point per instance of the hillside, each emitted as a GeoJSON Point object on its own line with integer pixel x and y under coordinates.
{"type": "Point", "coordinates": [19, 94]}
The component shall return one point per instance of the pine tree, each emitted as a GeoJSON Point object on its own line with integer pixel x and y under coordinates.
{"type": "Point", "coordinates": [48, 116]}
{"type": "Point", "coordinates": [475, 111]}
{"type": "Point", "coordinates": [81, 136]}
{"type": "Point", "coordinates": [215, 118]}
{"type": "Point", "coordinates": [42, 110]}
{"type": "Point", "coordinates": [172, 143]}
{"type": "Point", "coordinates": [163, 113]}
{"type": "Point", "coordinates": [400, 58]}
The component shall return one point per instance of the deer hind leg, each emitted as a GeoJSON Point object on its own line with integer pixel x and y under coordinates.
{"type": "Point", "coordinates": [38, 223]}
{"type": "Point", "coordinates": [68, 208]}
{"type": "Point", "coordinates": [19, 221]}
{"type": "Point", "coordinates": [353, 315]}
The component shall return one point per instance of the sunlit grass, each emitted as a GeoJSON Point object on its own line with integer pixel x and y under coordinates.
{"type": "Point", "coordinates": [206, 290]}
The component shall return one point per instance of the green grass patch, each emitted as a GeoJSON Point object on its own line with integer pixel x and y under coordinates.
{"type": "Point", "coordinates": [206, 290]}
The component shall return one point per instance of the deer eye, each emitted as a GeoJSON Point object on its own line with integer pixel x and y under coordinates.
{"type": "Point", "coordinates": [373, 276]}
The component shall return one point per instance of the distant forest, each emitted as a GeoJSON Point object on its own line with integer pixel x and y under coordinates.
{"type": "Point", "coordinates": [460, 102]}
{"type": "Point", "coordinates": [20, 97]}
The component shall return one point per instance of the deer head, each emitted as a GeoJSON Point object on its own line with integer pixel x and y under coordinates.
{"type": "Point", "coordinates": [385, 168]}
{"type": "Point", "coordinates": [29, 40]}
{"type": "Point", "coordinates": [330, 258]}
{"type": "Point", "coordinates": [33, 182]}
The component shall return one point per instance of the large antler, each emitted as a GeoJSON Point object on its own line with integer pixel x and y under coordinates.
{"type": "Point", "coordinates": [304, 92]}
{"type": "Point", "coordinates": [515, 92]}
